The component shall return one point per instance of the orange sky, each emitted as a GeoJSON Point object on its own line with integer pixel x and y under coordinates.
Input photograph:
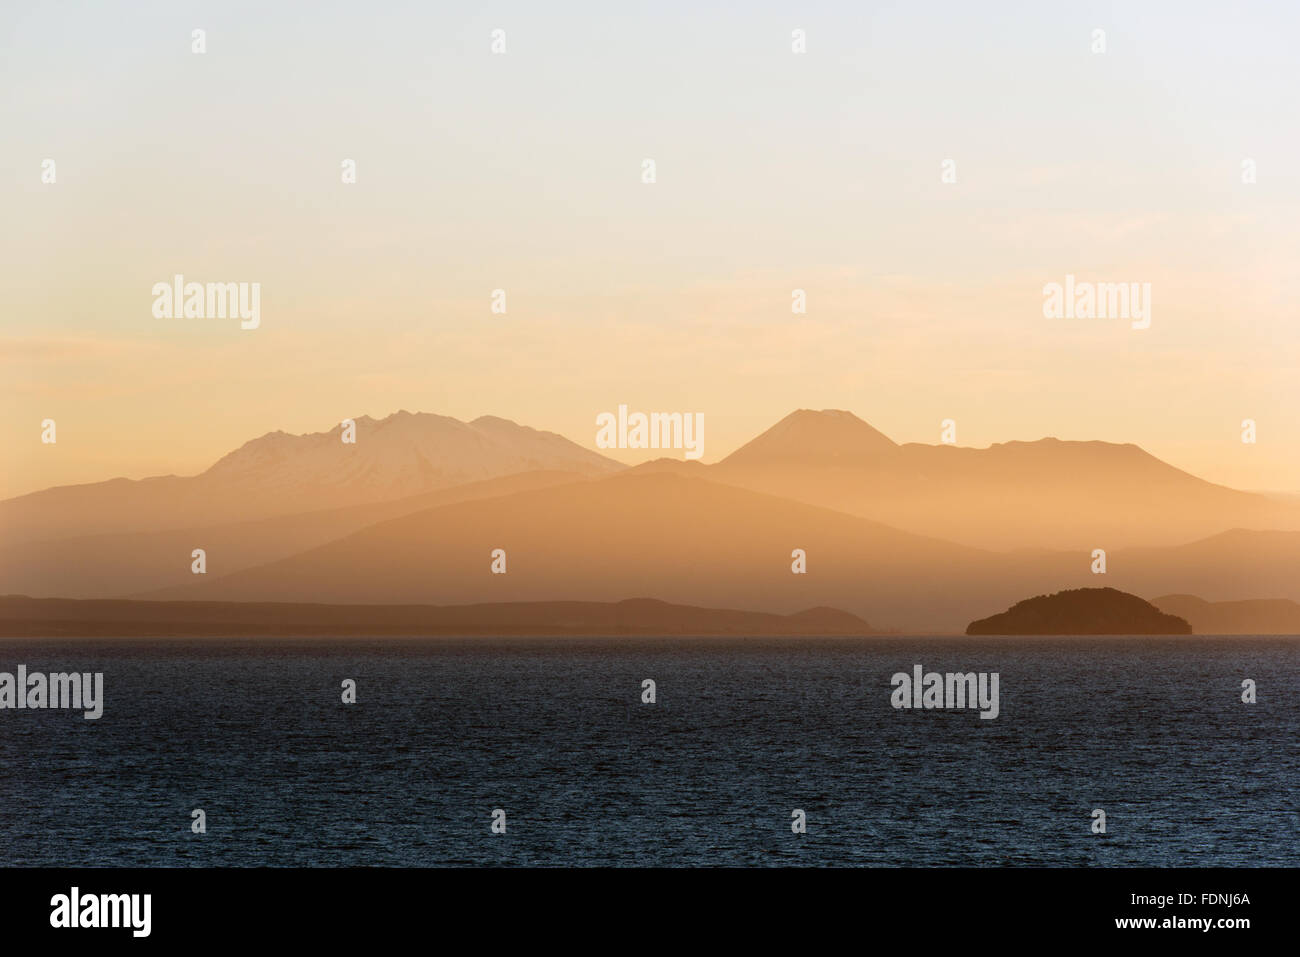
{"type": "Point", "coordinates": [775, 172]}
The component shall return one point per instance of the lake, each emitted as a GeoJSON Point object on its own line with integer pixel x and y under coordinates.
{"type": "Point", "coordinates": [742, 733]}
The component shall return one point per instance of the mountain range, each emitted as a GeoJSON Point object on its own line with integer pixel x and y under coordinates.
{"type": "Point", "coordinates": [400, 456]}
{"type": "Point", "coordinates": [64, 617]}
{"type": "Point", "coordinates": [1044, 494]}
{"type": "Point", "coordinates": [909, 537]}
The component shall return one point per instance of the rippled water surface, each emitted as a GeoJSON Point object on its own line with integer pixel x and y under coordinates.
{"type": "Point", "coordinates": [744, 731]}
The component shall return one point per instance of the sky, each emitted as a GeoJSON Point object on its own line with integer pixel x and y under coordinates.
{"type": "Point", "coordinates": [523, 171]}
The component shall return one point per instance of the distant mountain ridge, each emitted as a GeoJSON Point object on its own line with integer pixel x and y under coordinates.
{"type": "Point", "coordinates": [1251, 616]}
{"type": "Point", "coordinates": [25, 617]}
{"type": "Point", "coordinates": [697, 542]}
{"type": "Point", "coordinates": [402, 455]}
{"type": "Point", "coordinates": [911, 537]}
{"type": "Point", "coordinates": [1043, 494]}
{"type": "Point", "coordinates": [113, 564]}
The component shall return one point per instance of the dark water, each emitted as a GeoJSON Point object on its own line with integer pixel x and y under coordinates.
{"type": "Point", "coordinates": [552, 731]}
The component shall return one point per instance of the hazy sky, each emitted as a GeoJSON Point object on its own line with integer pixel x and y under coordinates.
{"type": "Point", "coordinates": [522, 171]}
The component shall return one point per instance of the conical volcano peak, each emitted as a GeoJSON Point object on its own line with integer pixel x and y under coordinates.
{"type": "Point", "coordinates": [826, 437]}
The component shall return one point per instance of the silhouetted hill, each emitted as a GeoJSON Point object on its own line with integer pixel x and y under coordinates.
{"type": "Point", "coordinates": [682, 540]}
{"type": "Point", "coordinates": [1254, 616]}
{"type": "Point", "coordinates": [23, 617]}
{"type": "Point", "coordinates": [126, 563]}
{"type": "Point", "coordinates": [701, 543]}
{"type": "Point", "coordinates": [1081, 611]}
